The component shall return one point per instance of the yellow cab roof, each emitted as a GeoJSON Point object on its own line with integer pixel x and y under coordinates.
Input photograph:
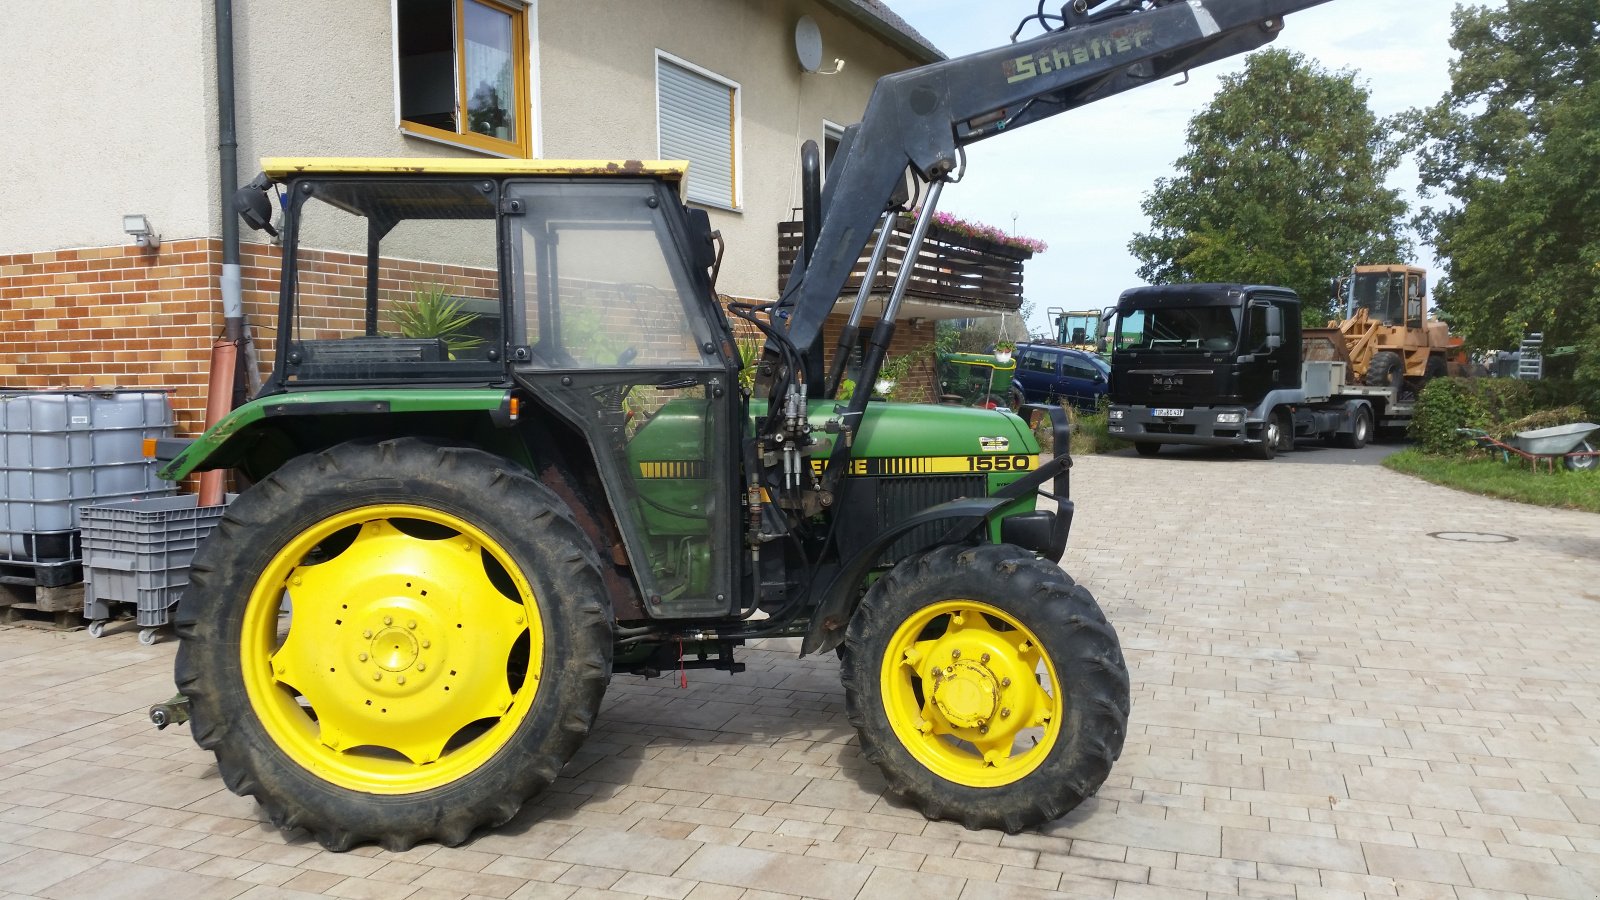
{"type": "Point", "coordinates": [279, 167]}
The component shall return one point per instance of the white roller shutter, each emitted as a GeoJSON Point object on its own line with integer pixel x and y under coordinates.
{"type": "Point", "coordinates": [697, 124]}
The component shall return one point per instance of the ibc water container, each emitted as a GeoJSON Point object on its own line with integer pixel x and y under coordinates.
{"type": "Point", "coordinates": [60, 450]}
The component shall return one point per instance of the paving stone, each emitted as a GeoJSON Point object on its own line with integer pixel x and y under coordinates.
{"type": "Point", "coordinates": [762, 870]}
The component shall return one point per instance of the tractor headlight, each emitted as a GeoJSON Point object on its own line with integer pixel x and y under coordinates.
{"type": "Point", "coordinates": [1229, 418]}
{"type": "Point", "coordinates": [1116, 414]}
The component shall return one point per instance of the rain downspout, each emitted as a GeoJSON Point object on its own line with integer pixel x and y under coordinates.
{"type": "Point", "coordinates": [225, 352]}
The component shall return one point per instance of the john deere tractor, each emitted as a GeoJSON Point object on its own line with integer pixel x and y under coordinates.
{"type": "Point", "coordinates": [504, 453]}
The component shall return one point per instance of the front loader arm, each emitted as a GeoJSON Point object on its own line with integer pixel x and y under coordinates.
{"type": "Point", "coordinates": [921, 117]}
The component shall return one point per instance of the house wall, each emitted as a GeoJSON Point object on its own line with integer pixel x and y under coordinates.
{"type": "Point", "coordinates": [110, 111]}
{"type": "Point", "coordinates": [122, 103]}
{"type": "Point", "coordinates": [112, 317]}
{"type": "Point", "coordinates": [598, 94]}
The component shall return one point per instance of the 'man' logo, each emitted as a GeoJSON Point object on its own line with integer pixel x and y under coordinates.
{"type": "Point", "coordinates": [1068, 54]}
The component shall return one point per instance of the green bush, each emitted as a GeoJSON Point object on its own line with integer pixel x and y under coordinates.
{"type": "Point", "coordinates": [1445, 405]}
{"type": "Point", "coordinates": [1501, 406]}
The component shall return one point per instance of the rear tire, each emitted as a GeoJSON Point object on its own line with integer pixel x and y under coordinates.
{"type": "Point", "coordinates": [1025, 655]}
{"type": "Point", "coordinates": [1360, 431]}
{"type": "Point", "coordinates": [1147, 448]}
{"type": "Point", "coordinates": [354, 538]}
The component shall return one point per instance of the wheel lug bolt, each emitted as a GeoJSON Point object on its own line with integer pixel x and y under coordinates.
{"type": "Point", "coordinates": [366, 632]}
{"type": "Point", "coordinates": [984, 658]}
{"type": "Point", "coordinates": [399, 679]}
{"type": "Point", "coordinates": [422, 667]}
{"type": "Point", "coordinates": [956, 653]}
{"type": "Point", "coordinates": [412, 623]}
{"type": "Point", "coordinates": [426, 645]}
{"type": "Point", "coordinates": [1005, 682]}
{"type": "Point", "coordinates": [377, 676]}
{"type": "Point", "coordinates": [1004, 712]}
{"type": "Point", "coordinates": [983, 729]}
{"type": "Point", "coordinates": [362, 657]}
{"type": "Point", "coordinates": [388, 620]}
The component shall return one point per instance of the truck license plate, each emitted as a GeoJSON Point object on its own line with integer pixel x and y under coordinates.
{"type": "Point", "coordinates": [1168, 413]}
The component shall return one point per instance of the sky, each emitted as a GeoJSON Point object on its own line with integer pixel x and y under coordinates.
{"type": "Point", "coordinates": [1076, 180]}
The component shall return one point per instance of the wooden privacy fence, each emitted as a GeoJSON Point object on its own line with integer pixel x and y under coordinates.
{"type": "Point", "coordinates": [951, 267]}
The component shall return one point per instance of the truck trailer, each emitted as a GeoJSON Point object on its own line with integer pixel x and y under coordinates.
{"type": "Point", "coordinates": [1227, 365]}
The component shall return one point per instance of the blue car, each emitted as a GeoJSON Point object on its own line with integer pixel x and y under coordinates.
{"type": "Point", "coordinates": [1058, 375]}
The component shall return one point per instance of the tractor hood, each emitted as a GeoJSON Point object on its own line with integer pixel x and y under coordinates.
{"type": "Point", "coordinates": [920, 431]}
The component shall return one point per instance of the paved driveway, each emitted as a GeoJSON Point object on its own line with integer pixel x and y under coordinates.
{"type": "Point", "coordinates": [1329, 703]}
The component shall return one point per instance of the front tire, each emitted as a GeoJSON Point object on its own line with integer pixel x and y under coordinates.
{"type": "Point", "coordinates": [395, 642]}
{"type": "Point", "coordinates": [1576, 463]}
{"type": "Point", "coordinates": [987, 687]}
{"type": "Point", "coordinates": [1386, 369]}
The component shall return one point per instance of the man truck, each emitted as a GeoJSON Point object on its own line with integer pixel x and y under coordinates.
{"type": "Point", "coordinates": [1227, 365]}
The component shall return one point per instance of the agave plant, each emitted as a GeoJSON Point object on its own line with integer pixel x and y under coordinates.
{"type": "Point", "coordinates": [431, 312]}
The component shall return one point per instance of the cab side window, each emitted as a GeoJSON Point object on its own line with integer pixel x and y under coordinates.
{"type": "Point", "coordinates": [1039, 361]}
{"type": "Point", "coordinates": [1258, 329]}
{"type": "Point", "coordinates": [1076, 370]}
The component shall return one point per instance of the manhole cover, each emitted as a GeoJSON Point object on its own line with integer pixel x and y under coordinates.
{"type": "Point", "coordinates": [1472, 537]}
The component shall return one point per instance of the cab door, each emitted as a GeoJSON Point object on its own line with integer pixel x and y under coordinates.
{"type": "Point", "coordinates": [619, 336]}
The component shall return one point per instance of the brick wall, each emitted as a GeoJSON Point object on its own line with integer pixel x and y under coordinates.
{"type": "Point", "coordinates": [107, 317]}
{"type": "Point", "coordinates": [121, 316]}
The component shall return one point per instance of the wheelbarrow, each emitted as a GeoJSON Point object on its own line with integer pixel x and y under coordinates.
{"type": "Point", "coordinates": [1568, 443]}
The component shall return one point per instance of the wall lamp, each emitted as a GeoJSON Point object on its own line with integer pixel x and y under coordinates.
{"type": "Point", "coordinates": [143, 234]}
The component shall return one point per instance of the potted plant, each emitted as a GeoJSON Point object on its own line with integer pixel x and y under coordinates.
{"type": "Point", "coordinates": [1003, 350]}
{"type": "Point", "coordinates": [431, 312]}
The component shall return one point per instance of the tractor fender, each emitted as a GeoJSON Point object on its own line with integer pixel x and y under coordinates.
{"type": "Point", "coordinates": [839, 598]}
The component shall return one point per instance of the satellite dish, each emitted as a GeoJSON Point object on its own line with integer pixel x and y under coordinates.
{"type": "Point", "coordinates": [808, 43]}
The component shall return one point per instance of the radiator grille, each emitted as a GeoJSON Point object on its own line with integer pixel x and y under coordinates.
{"type": "Point", "coordinates": [875, 503]}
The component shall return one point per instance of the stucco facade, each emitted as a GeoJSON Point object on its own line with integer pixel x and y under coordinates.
{"type": "Point", "coordinates": [126, 119]}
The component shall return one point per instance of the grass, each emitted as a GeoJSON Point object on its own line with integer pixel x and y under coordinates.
{"type": "Point", "coordinates": [1089, 433]}
{"type": "Point", "coordinates": [1508, 481]}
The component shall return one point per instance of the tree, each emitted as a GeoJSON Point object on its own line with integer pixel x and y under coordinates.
{"type": "Point", "coordinates": [1282, 183]}
{"type": "Point", "coordinates": [1515, 147]}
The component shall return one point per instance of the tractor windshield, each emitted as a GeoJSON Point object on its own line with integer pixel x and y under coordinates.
{"type": "Point", "coordinates": [1381, 294]}
{"type": "Point", "coordinates": [1184, 329]}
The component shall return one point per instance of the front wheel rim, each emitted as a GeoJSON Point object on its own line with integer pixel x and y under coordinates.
{"type": "Point", "coordinates": [391, 649]}
{"type": "Point", "coordinates": [971, 694]}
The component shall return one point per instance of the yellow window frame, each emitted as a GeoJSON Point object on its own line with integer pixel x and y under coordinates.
{"type": "Point", "coordinates": [522, 147]}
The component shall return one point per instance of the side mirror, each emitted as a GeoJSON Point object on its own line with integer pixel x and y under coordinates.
{"type": "Point", "coordinates": [702, 241]}
{"type": "Point", "coordinates": [253, 206]}
{"type": "Point", "coordinates": [1274, 327]}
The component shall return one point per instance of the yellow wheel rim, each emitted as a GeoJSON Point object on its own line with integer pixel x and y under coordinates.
{"type": "Point", "coordinates": [970, 693]}
{"type": "Point", "coordinates": [391, 649]}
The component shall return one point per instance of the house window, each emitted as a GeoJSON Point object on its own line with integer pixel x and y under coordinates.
{"type": "Point", "coordinates": [463, 73]}
{"type": "Point", "coordinates": [832, 135]}
{"type": "Point", "coordinates": [698, 120]}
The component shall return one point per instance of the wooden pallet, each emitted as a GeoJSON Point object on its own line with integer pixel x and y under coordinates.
{"type": "Point", "coordinates": [31, 615]}
{"type": "Point", "coordinates": [67, 598]}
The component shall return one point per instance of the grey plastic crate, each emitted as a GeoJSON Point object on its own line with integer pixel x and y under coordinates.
{"type": "Point", "coordinates": [62, 450]}
{"type": "Point", "coordinates": [139, 551]}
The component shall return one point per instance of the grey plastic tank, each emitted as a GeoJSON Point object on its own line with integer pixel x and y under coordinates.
{"type": "Point", "coordinates": [60, 450]}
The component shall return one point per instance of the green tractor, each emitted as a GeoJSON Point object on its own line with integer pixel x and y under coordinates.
{"type": "Point", "coordinates": [505, 453]}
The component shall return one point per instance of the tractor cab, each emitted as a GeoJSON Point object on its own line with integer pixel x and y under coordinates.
{"type": "Point", "coordinates": [581, 288]}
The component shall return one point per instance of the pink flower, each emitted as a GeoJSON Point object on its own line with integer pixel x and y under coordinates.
{"type": "Point", "coordinates": [987, 232]}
